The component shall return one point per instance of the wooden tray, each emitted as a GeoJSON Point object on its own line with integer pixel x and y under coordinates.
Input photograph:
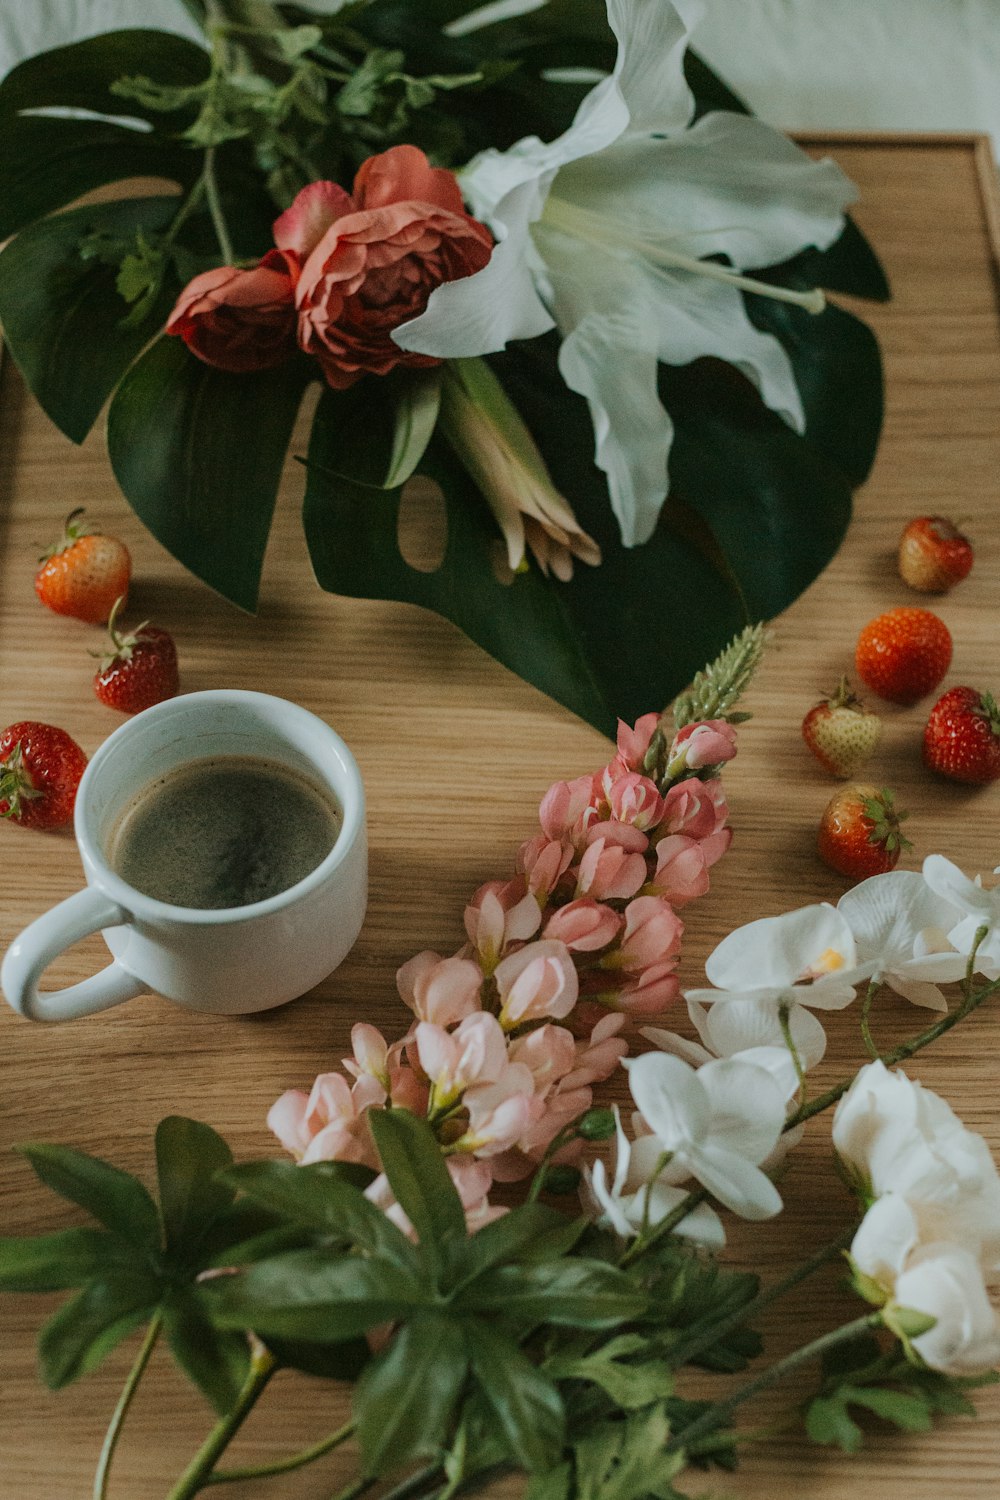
{"type": "Point", "coordinates": [456, 753]}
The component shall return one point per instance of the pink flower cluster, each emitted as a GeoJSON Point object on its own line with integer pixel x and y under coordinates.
{"type": "Point", "coordinates": [510, 1033]}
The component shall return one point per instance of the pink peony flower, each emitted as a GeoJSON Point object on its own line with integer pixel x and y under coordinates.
{"type": "Point", "coordinates": [240, 320]}
{"type": "Point", "coordinates": [328, 1124]}
{"type": "Point", "coordinates": [706, 744]}
{"type": "Point", "coordinates": [442, 990]}
{"type": "Point", "coordinates": [499, 914]}
{"type": "Point", "coordinates": [475, 1052]}
{"type": "Point", "coordinates": [536, 983]}
{"type": "Point", "coordinates": [608, 872]}
{"type": "Point", "coordinates": [371, 258]}
{"type": "Point", "coordinates": [544, 861]}
{"type": "Point", "coordinates": [681, 869]}
{"type": "Point", "coordinates": [585, 926]}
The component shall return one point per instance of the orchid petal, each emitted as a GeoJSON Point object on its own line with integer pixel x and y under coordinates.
{"type": "Point", "coordinates": [777, 951]}
{"type": "Point", "coordinates": [735, 1182]}
{"type": "Point", "coordinates": [887, 914]}
{"type": "Point", "coordinates": [669, 1097]}
{"type": "Point", "coordinates": [748, 1108]}
{"type": "Point", "coordinates": [728, 1029]}
{"type": "Point", "coordinates": [702, 1224]}
{"type": "Point", "coordinates": [678, 1046]}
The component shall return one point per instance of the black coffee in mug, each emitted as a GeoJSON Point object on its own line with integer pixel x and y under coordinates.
{"type": "Point", "coordinates": [222, 832]}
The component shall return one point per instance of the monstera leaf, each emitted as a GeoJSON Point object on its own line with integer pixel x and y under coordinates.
{"type": "Point", "coordinates": [755, 513]}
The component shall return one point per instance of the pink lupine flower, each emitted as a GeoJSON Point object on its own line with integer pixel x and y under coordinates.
{"type": "Point", "coordinates": [441, 990]}
{"type": "Point", "coordinates": [475, 1052]}
{"type": "Point", "coordinates": [500, 1112]}
{"type": "Point", "coordinates": [608, 872]}
{"type": "Point", "coordinates": [681, 869]}
{"type": "Point", "coordinates": [652, 935]}
{"type": "Point", "coordinates": [406, 1090]}
{"type": "Point", "coordinates": [328, 1124]}
{"type": "Point", "coordinates": [634, 800]}
{"type": "Point", "coordinates": [715, 846]}
{"type": "Point", "coordinates": [598, 1056]}
{"type": "Point", "coordinates": [371, 1054]}
{"type": "Point", "coordinates": [584, 926]}
{"type": "Point", "coordinates": [548, 1053]}
{"type": "Point", "coordinates": [544, 861]}
{"type": "Point", "coordinates": [499, 914]}
{"type": "Point", "coordinates": [623, 835]}
{"type": "Point", "coordinates": [567, 807]}
{"type": "Point", "coordinates": [536, 983]}
{"type": "Point", "coordinates": [706, 744]}
{"type": "Point", "coordinates": [646, 993]}
{"type": "Point", "coordinates": [688, 808]}
{"type": "Point", "coordinates": [633, 743]}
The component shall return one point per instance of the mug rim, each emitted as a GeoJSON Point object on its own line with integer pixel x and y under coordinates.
{"type": "Point", "coordinates": [133, 900]}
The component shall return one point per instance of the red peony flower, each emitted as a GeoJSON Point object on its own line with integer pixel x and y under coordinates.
{"type": "Point", "coordinates": [240, 320]}
{"type": "Point", "coordinates": [371, 259]}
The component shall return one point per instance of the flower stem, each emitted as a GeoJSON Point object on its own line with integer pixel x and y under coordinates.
{"type": "Point", "coordinates": [720, 1412]}
{"type": "Point", "coordinates": [284, 1465]}
{"type": "Point", "coordinates": [793, 1052]}
{"type": "Point", "coordinates": [215, 207]}
{"type": "Point", "coordinates": [121, 1410]}
{"type": "Point", "coordinates": [866, 1005]}
{"type": "Point", "coordinates": [669, 1222]}
{"type": "Point", "coordinates": [198, 1472]}
{"type": "Point", "coordinates": [711, 1336]}
{"type": "Point", "coordinates": [556, 1144]}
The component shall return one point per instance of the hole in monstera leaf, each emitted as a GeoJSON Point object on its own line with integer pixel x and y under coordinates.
{"type": "Point", "coordinates": [502, 570]}
{"type": "Point", "coordinates": [422, 524]}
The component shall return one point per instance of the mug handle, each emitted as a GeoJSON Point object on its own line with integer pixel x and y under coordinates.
{"type": "Point", "coordinates": [30, 954]}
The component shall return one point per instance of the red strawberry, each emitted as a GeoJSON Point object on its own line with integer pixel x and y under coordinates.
{"type": "Point", "coordinates": [84, 573]}
{"type": "Point", "coordinates": [933, 555]}
{"type": "Point", "coordinates": [841, 732]}
{"type": "Point", "coordinates": [859, 832]}
{"type": "Point", "coordinates": [40, 770]}
{"type": "Point", "coordinates": [962, 738]}
{"type": "Point", "coordinates": [140, 670]}
{"type": "Point", "coordinates": [904, 654]}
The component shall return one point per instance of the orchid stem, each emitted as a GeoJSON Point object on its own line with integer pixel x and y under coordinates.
{"type": "Point", "coordinates": [284, 1465]}
{"type": "Point", "coordinates": [121, 1410]}
{"type": "Point", "coordinates": [793, 1052]}
{"type": "Point", "coordinates": [668, 1223]}
{"type": "Point", "coordinates": [720, 1412]}
{"type": "Point", "coordinates": [866, 1005]}
{"type": "Point", "coordinates": [199, 1471]}
{"type": "Point", "coordinates": [215, 207]}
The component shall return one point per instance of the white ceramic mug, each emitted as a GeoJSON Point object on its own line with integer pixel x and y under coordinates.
{"type": "Point", "coordinates": [233, 961]}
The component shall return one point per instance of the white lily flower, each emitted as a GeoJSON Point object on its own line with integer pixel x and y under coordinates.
{"type": "Point", "coordinates": [606, 234]}
{"type": "Point", "coordinates": [622, 1202]}
{"type": "Point", "coordinates": [900, 925]}
{"type": "Point", "coordinates": [978, 905]}
{"type": "Point", "coordinates": [769, 976]}
{"type": "Point", "coordinates": [714, 1124]}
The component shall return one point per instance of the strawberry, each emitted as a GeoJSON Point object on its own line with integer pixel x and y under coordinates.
{"type": "Point", "coordinates": [841, 732]}
{"type": "Point", "coordinates": [903, 654]}
{"type": "Point", "coordinates": [962, 738]}
{"type": "Point", "coordinates": [859, 832]}
{"type": "Point", "coordinates": [933, 555]}
{"type": "Point", "coordinates": [83, 573]}
{"type": "Point", "coordinates": [40, 770]}
{"type": "Point", "coordinates": [139, 670]}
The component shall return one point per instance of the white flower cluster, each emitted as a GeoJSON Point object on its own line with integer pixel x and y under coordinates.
{"type": "Point", "coordinates": [716, 1113]}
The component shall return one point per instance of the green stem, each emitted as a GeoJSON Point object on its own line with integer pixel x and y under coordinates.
{"type": "Point", "coordinates": [354, 1488]}
{"type": "Point", "coordinates": [284, 1465]}
{"type": "Point", "coordinates": [215, 207]}
{"type": "Point", "coordinates": [720, 1412]}
{"type": "Point", "coordinates": [866, 1035]}
{"type": "Point", "coordinates": [412, 1485]}
{"type": "Point", "coordinates": [556, 1144]}
{"type": "Point", "coordinates": [793, 1051]}
{"type": "Point", "coordinates": [723, 1440]}
{"type": "Point", "coordinates": [124, 1402]}
{"type": "Point", "coordinates": [198, 1472]}
{"type": "Point", "coordinates": [897, 1054]}
{"type": "Point", "coordinates": [182, 215]}
{"type": "Point", "coordinates": [665, 1226]}
{"type": "Point", "coordinates": [711, 1336]}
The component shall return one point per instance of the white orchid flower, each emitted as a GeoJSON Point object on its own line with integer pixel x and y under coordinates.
{"type": "Point", "coordinates": [774, 1059]}
{"type": "Point", "coordinates": [613, 233]}
{"type": "Point", "coordinates": [900, 925]}
{"type": "Point", "coordinates": [622, 1202]}
{"type": "Point", "coordinates": [769, 976]}
{"type": "Point", "coordinates": [714, 1124]}
{"type": "Point", "coordinates": [979, 906]}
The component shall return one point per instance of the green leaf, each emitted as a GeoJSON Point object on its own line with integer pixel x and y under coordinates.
{"type": "Point", "coordinates": [63, 316]}
{"type": "Point", "coordinates": [337, 1361]}
{"type": "Point", "coordinates": [54, 1262]}
{"type": "Point", "coordinates": [47, 163]}
{"type": "Point", "coordinates": [199, 454]}
{"type": "Point", "coordinates": [377, 437]}
{"type": "Point", "coordinates": [903, 1409]}
{"type": "Point", "coordinates": [404, 1401]}
{"type": "Point", "coordinates": [572, 1293]}
{"type": "Point", "coordinates": [416, 414]}
{"type": "Point", "coordinates": [116, 1198]}
{"type": "Point", "coordinates": [412, 1161]}
{"type": "Point", "coordinates": [188, 1155]}
{"type": "Point", "coordinates": [319, 1198]}
{"type": "Point", "coordinates": [627, 1460]}
{"type": "Point", "coordinates": [630, 1386]}
{"type": "Point", "coordinates": [532, 1231]}
{"type": "Point", "coordinates": [315, 1295]}
{"type": "Point", "coordinates": [215, 1360]}
{"type": "Point", "coordinates": [80, 75]}
{"type": "Point", "coordinates": [524, 1401]}
{"type": "Point", "coordinates": [828, 1423]}
{"type": "Point", "coordinates": [555, 1484]}
{"type": "Point", "coordinates": [87, 1327]}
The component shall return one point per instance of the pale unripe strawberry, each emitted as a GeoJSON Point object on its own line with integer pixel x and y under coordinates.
{"type": "Point", "coordinates": [841, 732]}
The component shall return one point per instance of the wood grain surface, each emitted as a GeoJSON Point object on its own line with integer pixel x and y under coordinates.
{"type": "Point", "coordinates": [456, 753]}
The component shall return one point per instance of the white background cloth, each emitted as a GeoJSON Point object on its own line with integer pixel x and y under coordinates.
{"type": "Point", "coordinates": [878, 64]}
